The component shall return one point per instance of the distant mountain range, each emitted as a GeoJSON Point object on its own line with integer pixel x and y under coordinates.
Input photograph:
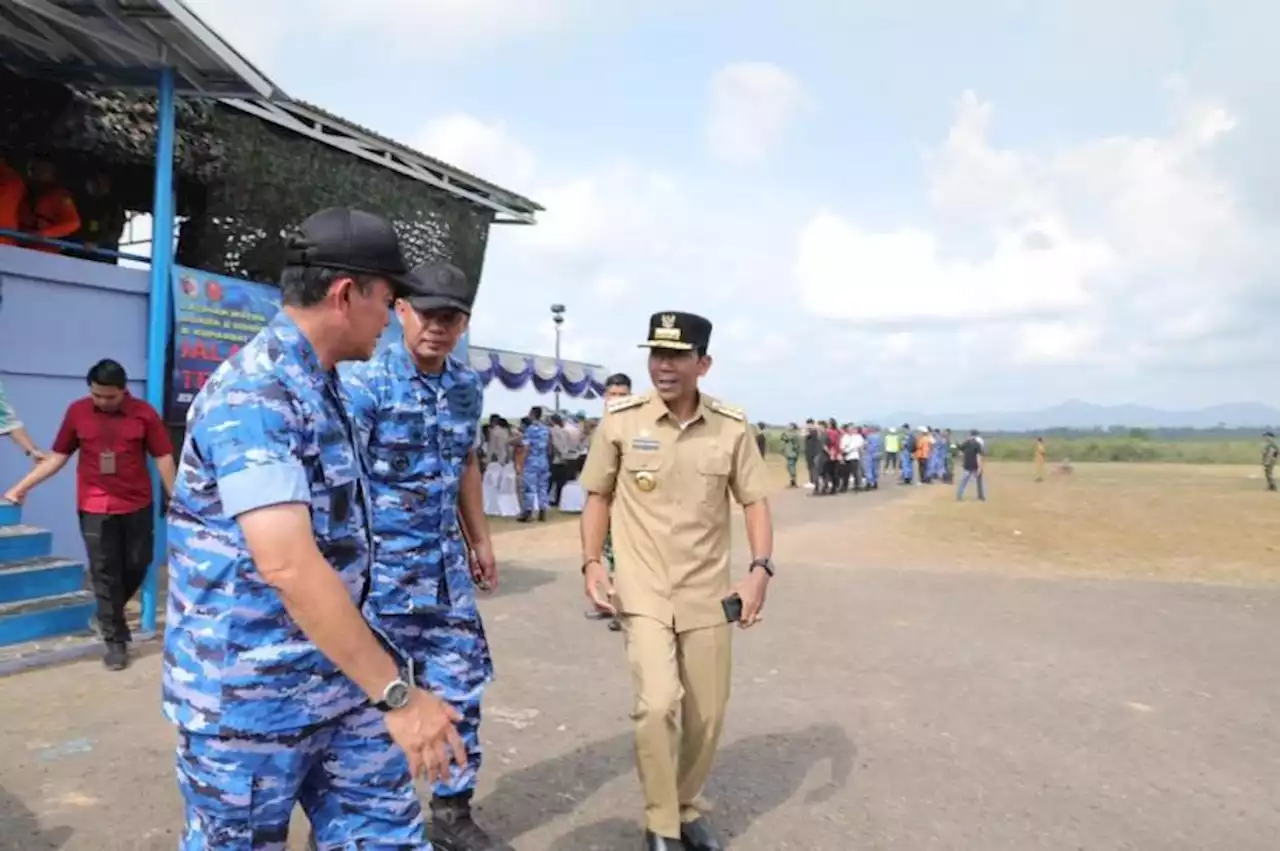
{"type": "Point", "coordinates": [1076, 414]}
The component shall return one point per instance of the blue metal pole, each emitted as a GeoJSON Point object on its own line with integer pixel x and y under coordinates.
{"type": "Point", "coordinates": [158, 315]}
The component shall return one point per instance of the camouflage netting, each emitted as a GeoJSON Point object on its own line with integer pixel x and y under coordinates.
{"type": "Point", "coordinates": [242, 182]}
{"type": "Point", "coordinates": [275, 178]}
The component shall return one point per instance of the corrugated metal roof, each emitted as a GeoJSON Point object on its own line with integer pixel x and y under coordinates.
{"type": "Point", "coordinates": [122, 43]}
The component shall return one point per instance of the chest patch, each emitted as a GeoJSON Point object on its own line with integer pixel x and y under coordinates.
{"type": "Point", "coordinates": [645, 444]}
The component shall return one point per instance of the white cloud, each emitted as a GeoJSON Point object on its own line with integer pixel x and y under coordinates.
{"type": "Point", "coordinates": [431, 29]}
{"type": "Point", "coordinates": [1131, 247]}
{"type": "Point", "coordinates": [486, 149]}
{"type": "Point", "coordinates": [752, 106]}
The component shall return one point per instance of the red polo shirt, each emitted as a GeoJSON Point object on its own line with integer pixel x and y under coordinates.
{"type": "Point", "coordinates": [131, 433]}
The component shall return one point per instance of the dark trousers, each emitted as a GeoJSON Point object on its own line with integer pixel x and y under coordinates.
{"type": "Point", "coordinates": [119, 548]}
{"type": "Point", "coordinates": [561, 475]}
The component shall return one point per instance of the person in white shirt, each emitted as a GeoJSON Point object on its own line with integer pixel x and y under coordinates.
{"type": "Point", "coordinates": [852, 444]}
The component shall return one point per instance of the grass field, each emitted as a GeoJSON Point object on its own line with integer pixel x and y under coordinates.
{"type": "Point", "coordinates": [1213, 523]}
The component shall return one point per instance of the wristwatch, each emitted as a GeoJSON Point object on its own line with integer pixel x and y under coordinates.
{"type": "Point", "coordinates": [395, 696]}
{"type": "Point", "coordinates": [764, 563]}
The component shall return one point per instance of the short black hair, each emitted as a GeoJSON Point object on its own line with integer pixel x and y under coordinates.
{"type": "Point", "coordinates": [535, 413]}
{"type": "Point", "coordinates": [618, 379]}
{"type": "Point", "coordinates": [306, 286]}
{"type": "Point", "coordinates": [107, 373]}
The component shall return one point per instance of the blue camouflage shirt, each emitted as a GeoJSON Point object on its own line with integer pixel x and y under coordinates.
{"type": "Point", "coordinates": [537, 438]}
{"type": "Point", "coordinates": [418, 430]}
{"type": "Point", "coordinates": [269, 428]}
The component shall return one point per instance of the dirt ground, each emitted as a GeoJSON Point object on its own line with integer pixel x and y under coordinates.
{"type": "Point", "coordinates": [1212, 523]}
{"type": "Point", "coordinates": [917, 684]}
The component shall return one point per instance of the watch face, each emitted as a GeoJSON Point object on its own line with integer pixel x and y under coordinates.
{"type": "Point", "coordinates": [397, 695]}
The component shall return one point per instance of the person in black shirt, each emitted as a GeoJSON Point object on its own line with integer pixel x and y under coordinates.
{"type": "Point", "coordinates": [972, 451]}
{"type": "Point", "coordinates": [814, 456]}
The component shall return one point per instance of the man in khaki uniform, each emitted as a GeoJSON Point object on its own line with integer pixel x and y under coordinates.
{"type": "Point", "coordinates": [665, 464]}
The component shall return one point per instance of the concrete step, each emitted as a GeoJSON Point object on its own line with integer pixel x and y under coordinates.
{"type": "Point", "coordinates": [19, 543]}
{"type": "Point", "coordinates": [31, 620]}
{"type": "Point", "coordinates": [10, 514]}
{"type": "Point", "coordinates": [40, 577]}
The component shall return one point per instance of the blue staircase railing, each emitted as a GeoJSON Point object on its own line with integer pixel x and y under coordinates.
{"type": "Point", "coordinates": [41, 595]}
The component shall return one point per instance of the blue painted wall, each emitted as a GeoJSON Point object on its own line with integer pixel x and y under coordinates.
{"type": "Point", "coordinates": [58, 317]}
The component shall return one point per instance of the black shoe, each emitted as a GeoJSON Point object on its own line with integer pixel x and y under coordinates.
{"type": "Point", "coordinates": [453, 829]}
{"type": "Point", "coordinates": [523, 518]}
{"type": "Point", "coordinates": [698, 836]}
{"type": "Point", "coordinates": [542, 516]}
{"type": "Point", "coordinates": [116, 657]}
{"type": "Point", "coordinates": [615, 625]}
{"type": "Point", "coordinates": [654, 842]}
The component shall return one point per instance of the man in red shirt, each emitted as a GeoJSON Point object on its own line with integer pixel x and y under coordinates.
{"type": "Point", "coordinates": [115, 433]}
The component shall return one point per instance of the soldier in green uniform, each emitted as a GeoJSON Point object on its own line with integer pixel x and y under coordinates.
{"type": "Point", "coordinates": [1270, 454]}
{"type": "Point", "coordinates": [791, 451]}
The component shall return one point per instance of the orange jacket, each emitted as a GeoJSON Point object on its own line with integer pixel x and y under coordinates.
{"type": "Point", "coordinates": [56, 216]}
{"type": "Point", "coordinates": [923, 444]}
{"type": "Point", "coordinates": [13, 192]}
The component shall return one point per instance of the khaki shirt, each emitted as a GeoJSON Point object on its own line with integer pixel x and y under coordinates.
{"type": "Point", "coordinates": [670, 518]}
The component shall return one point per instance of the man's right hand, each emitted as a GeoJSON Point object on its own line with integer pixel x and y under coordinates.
{"type": "Point", "coordinates": [598, 588]}
{"type": "Point", "coordinates": [425, 731]}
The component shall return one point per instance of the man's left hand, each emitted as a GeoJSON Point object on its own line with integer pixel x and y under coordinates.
{"type": "Point", "coordinates": [752, 591]}
{"type": "Point", "coordinates": [484, 568]}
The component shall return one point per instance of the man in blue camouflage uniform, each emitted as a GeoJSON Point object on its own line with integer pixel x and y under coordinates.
{"type": "Point", "coordinates": [417, 410]}
{"type": "Point", "coordinates": [281, 692]}
{"type": "Point", "coordinates": [874, 450]}
{"type": "Point", "coordinates": [537, 467]}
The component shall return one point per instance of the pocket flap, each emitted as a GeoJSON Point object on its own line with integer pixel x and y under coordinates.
{"type": "Point", "coordinates": [715, 465]}
{"type": "Point", "coordinates": [642, 461]}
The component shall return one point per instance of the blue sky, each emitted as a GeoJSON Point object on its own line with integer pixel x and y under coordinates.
{"type": "Point", "coordinates": [999, 204]}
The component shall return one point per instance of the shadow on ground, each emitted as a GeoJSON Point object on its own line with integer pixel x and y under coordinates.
{"type": "Point", "coordinates": [514, 578]}
{"type": "Point", "coordinates": [20, 830]}
{"type": "Point", "coordinates": [753, 776]}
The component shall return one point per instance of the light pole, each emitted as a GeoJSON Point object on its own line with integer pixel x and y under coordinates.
{"type": "Point", "coordinates": [557, 316]}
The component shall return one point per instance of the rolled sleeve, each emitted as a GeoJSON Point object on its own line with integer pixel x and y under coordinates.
{"type": "Point", "coordinates": [749, 479]}
{"type": "Point", "coordinates": [253, 448]}
{"type": "Point", "coordinates": [600, 472]}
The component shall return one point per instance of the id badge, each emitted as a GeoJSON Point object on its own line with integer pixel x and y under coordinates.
{"type": "Point", "coordinates": [107, 463]}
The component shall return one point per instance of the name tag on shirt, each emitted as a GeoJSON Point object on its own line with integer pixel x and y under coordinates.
{"type": "Point", "coordinates": [645, 444]}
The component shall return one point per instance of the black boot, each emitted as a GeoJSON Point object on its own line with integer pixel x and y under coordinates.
{"type": "Point", "coordinates": [542, 516]}
{"type": "Point", "coordinates": [116, 657]}
{"type": "Point", "coordinates": [453, 829]}
{"type": "Point", "coordinates": [654, 842]}
{"type": "Point", "coordinates": [524, 517]}
{"type": "Point", "coordinates": [698, 836]}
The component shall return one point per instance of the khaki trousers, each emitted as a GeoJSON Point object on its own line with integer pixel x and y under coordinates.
{"type": "Point", "coordinates": [681, 684]}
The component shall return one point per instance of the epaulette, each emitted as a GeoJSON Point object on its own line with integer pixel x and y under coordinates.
{"type": "Point", "coordinates": [727, 410]}
{"type": "Point", "coordinates": [626, 403]}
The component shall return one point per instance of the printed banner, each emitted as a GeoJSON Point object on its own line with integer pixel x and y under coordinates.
{"type": "Point", "coordinates": [213, 316]}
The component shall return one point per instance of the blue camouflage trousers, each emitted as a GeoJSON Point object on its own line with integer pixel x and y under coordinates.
{"type": "Point", "coordinates": [537, 488]}
{"type": "Point", "coordinates": [451, 660]}
{"type": "Point", "coordinates": [349, 777]}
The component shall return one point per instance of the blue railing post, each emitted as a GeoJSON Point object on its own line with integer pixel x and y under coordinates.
{"type": "Point", "coordinates": [158, 314]}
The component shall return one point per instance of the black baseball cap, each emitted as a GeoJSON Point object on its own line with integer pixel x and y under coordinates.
{"type": "Point", "coordinates": [348, 240]}
{"type": "Point", "coordinates": [437, 286]}
{"type": "Point", "coordinates": [680, 331]}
